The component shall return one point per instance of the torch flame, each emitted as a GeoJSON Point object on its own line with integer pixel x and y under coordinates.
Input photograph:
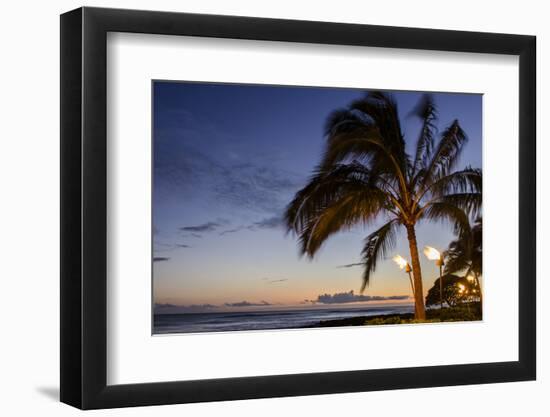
{"type": "Point", "coordinates": [432, 253]}
{"type": "Point", "coordinates": [400, 261]}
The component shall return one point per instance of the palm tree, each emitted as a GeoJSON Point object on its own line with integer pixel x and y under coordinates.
{"type": "Point", "coordinates": [366, 174]}
{"type": "Point", "coordinates": [465, 253]}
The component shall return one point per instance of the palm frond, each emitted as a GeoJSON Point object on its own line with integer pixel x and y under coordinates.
{"type": "Point", "coordinates": [333, 201]}
{"type": "Point", "coordinates": [456, 256]}
{"type": "Point", "coordinates": [477, 246]}
{"type": "Point", "coordinates": [344, 120]}
{"type": "Point", "coordinates": [426, 111]}
{"type": "Point", "coordinates": [343, 214]}
{"type": "Point", "coordinates": [463, 181]}
{"type": "Point", "coordinates": [363, 145]}
{"type": "Point", "coordinates": [444, 211]}
{"type": "Point", "coordinates": [368, 131]}
{"type": "Point", "coordinates": [351, 136]}
{"type": "Point", "coordinates": [446, 153]}
{"type": "Point", "coordinates": [465, 253]}
{"type": "Point", "coordinates": [322, 189]}
{"type": "Point", "coordinates": [377, 246]}
{"type": "Point", "coordinates": [470, 203]}
{"type": "Point", "coordinates": [380, 109]}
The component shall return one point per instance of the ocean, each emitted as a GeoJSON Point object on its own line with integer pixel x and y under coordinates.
{"type": "Point", "coordinates": [264, 320]}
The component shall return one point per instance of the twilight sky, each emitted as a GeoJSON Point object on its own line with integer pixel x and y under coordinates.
{"type": "Point", "coordinates": [228, 159]}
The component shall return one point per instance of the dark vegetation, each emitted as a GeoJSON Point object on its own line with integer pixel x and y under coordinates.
{"type": "Point", "coordinates": [470, 311]}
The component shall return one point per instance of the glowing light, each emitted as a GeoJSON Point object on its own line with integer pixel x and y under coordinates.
{"type": "Point", "coordinates": [470, 278]}
{"type": "Point", "coordinates": [400, 261]}
{"type": "Point", "coordinates": [432, 253]}
{"type": "Point", "coordinates": [461, 288]}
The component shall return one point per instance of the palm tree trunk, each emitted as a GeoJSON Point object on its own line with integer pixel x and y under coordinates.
{"type": "Point", "coordinates": [419, 310]}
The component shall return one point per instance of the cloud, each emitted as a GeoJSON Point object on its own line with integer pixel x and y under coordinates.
{"type": "Point", "coordinates": [259, 188]}
{"type": "Point", "coordinates": [167, 308]}
{"type": "Point", "coordinates": [160, 259]}
{"type": "Point", "coordinates": [272, 222]}
{"type": "Point", "coordinates": [201, 228]}
{"type": "Point", "coordinates": [351, 297]}
{"type": "Point", "coordinates": [169, 247]}
{"type": "Point", "coordinates": [269, 223]}
{"type": "Point", "coordinates": [234, 230]}
{"type": "Point", "coordinates": [195, 235]}
{"type": "Point", "coordinates": [162, 247]}
{"type": "Point", "coordinates": [198, 230]}
{"type": "Point", "coordinates": [195, 172]}
{"type": "Point", "coordinates": [248, 304]}
{"type": "Point", "coordinates": [274, 281]}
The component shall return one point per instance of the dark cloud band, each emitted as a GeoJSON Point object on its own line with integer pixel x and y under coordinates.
{"type": "Point", "coordinates": [351, 297]}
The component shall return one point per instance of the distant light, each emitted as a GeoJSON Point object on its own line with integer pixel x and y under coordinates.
{"type": "Point", "coordinates": [432, 253]}
{"type": "Point", "coordinates": [400, 261]}
{"type": "Point", "coordinates": [470, 278]}
{"type": "Point", "coordinates": [461, 287]}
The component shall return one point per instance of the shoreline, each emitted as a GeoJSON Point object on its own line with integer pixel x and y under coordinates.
{"type": "Point", "coordinates": [464, 312]}
{"type": "Point", "coordinates": [360, 320]}
{"type": "Point", "coordinates": [176, 324]}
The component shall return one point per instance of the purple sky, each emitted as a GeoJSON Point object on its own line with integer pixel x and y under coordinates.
{"type": "Point", "coordinates": [228, 159]}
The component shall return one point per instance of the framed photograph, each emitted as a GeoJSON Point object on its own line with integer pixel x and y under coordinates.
{"type": "Point", "coordinates": [259, 208]}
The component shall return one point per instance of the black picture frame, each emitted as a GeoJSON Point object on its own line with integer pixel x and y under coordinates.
{"type": "Point", "coordinates": [84, 207]}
